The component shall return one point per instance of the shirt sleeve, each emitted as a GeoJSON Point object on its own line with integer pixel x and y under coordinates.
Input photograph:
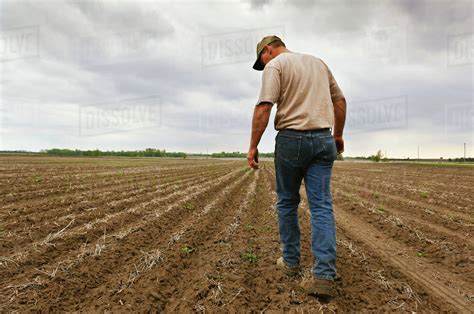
{"type": "Point", "coordinates": [336, 92]}
{"type": "Point", "coordinates": [270, 91]}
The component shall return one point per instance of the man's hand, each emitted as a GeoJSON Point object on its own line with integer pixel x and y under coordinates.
{"type": "Point", "coordinates": [339, 144]}
{"type": "Point", "coordinates": [252, 158]}
{"type": "Point", "coordinates": [261, 114]}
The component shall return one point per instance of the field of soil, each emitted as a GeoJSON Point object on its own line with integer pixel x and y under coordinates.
{"type": "Point", "coordinates": [174, 235]}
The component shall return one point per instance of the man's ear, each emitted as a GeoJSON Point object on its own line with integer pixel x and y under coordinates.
{"type": "Point", "coordinates": [269, 49]}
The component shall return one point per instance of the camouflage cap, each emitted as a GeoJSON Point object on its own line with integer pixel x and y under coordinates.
{"type": "Point", "coordinates": [265, 41]}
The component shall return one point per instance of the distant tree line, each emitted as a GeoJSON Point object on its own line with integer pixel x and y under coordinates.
{"type": "Point", "coordinates": [461, 159]}
{"type": "Point", "coordinates": [14, 152]}
{"type": "Point", "coordinates": [379, 157]}
{"type": "Point", "coordinates": [149, 152]}
{"type": "Point", "coordinates": [152, 152]}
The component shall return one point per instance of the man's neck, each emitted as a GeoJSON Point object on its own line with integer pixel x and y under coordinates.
{"type": "Point", "coordinates": [280, 50]}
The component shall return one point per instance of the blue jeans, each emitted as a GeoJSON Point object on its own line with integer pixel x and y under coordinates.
{"type": "Point", "coordinates": [307, 155]}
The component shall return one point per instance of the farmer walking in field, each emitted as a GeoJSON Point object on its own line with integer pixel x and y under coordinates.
{"type": "Point", "coordinates": [309, 104]}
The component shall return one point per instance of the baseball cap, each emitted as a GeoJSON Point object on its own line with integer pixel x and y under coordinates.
{"type": "Point", "coordinates": [265, 41]}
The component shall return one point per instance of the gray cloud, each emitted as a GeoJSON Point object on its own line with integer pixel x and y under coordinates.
{"type": "Point", "coordinates": [257, 4]}
{"type": "Point", "coordinates": [104, 60]}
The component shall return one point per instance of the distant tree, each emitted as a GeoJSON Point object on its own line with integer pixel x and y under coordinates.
{"type": "Point", "coordinates": [377, 157]}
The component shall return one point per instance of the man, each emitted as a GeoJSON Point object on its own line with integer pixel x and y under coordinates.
{"type": "Point", "coordinates": [309, 103]}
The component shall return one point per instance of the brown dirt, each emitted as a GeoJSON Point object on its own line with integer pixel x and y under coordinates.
{"type": "Point", "coordinates": [119, 234]}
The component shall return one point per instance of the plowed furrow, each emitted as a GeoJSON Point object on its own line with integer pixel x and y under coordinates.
{"type": "Point", "coordinates": [401, 219]}
{"type": "Point", "coordinates": [86, 213]}
{"type": "Point", "coordinates": [133, 225]}
{"type": "Point", "coordinates": [442, 215]}
{"type": "Point", "coordinates": [147, 231]}
{"type": "Point", "coordinates": [29, 210]}
{"type": "Point", "coordinates": [197, 232]}
{"type": "Point", "coordinates": [440, 187]}
{"type": "Point", "coordinates": [437, 281]}
{"type": "Point", "coordinates": [208, 244]}
{"type": "Point", "coordinates": [77, 233]}
{"type": "Point", "coordinates": [131, 166]}
{"type": "Point", "coordinates": [449, 254]}
{"type": "Point", "coordinates": [87, 200]}
{"type": "Point", "coordinates": [95, 183]}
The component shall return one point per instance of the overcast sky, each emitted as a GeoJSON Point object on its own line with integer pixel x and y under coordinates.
{"type": "Point", "coordinates": [177, 75]}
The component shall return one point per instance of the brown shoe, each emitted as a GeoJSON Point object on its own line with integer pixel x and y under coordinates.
{"type": "Point", "coordinates": [287, 270]}
{"type": "Point", "coordinates": [319, 287]}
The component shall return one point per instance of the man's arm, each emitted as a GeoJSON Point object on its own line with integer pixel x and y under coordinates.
{"type": "Point", "coordinates": [339, 121]}
{"type": "Point", "coordinates": [339, 103]}
{"type": "Point", "coordinates": [261, 115]}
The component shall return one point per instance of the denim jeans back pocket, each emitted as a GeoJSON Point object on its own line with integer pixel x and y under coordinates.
{"type": "Point", "coordinates": [330, 150]}
{"type": "Point", "coordinates": [288, 147]}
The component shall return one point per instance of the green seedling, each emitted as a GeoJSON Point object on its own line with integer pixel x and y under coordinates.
{"type": "Point", "coordinates": [249, 257]}
{"type": "Point", "coordinates": [37, 179]}
{"type": "Point", "coordinates": [380, 209]}
{"type": "Point", "coordinates": [187, 249]}
{"type": "Point", "coordinates": [1, 232]}
{"type": "Point", "coordinates": [376, 195]}
{"type": "Point", "coordinates": [420, 254]}
{"type": "Point", "coordinates": [424, 194]}
{"type": "Point", "coordinates": [189, 206]}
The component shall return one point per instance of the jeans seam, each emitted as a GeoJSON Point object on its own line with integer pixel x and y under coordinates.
{"type": "Point", "coordinates": [299, 148]}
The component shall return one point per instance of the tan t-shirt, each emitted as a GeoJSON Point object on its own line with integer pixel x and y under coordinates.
{"type": "Point", "coordinates": [303, 88]}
